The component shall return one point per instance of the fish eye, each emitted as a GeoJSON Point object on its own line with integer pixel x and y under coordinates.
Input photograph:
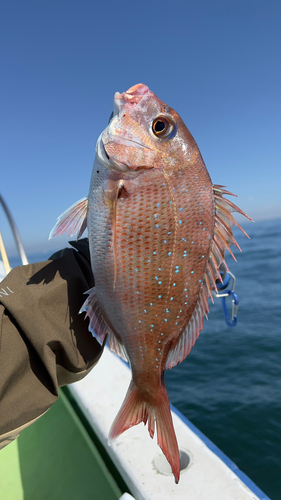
{"type": "Point", "coordinates": [162, 126]}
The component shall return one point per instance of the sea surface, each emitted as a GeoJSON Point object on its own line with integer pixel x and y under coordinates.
{"type": "Point", "coordinates": [230, 384]}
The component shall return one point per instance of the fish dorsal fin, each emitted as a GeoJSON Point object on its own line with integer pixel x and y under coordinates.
{"type": "Point", "coordinates": [98, 326]}
{"type": "Point", "coordinates": [222, 239]}
{"type": "Point", "coordinates": [73, 221]}
{"type": "Point", "coordinates": [189, 336]}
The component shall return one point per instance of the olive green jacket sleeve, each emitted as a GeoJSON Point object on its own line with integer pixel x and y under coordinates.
{"type": "Point", "coordinates": [44, 342]}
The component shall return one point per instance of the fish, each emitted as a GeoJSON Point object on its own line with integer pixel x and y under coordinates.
{"type": "Point", "coordinates": [158, 230]}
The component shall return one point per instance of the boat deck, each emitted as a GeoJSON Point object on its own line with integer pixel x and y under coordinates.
{"type": "Point", "coordinates": [55, 459]}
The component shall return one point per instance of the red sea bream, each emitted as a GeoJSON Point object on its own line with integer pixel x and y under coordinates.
{"type": "Point", "coordinates": [158, 230]}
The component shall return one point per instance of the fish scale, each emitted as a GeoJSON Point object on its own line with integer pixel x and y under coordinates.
{"type": "Point", "coordinates": [158, 230]}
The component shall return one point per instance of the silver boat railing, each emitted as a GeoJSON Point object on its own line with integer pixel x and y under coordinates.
{"type": "Point", "coordinates": [17, 237]}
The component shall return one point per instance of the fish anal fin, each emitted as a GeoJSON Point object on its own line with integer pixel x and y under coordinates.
{"type": "Point", "coordinates": [135, 410]}
{"type": "Point", "coordinates": [97, 324]}
{"type": "Point", "coordinates": [116, 347]}
{"type": "Point", "coordinates": [73, 221]}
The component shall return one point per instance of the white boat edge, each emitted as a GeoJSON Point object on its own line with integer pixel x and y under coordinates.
{"type": "Point", "coordinates": [210, 473]}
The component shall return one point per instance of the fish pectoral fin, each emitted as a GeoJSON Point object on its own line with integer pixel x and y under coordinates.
{"type": "Point", "coordinates": [97, 325]}
{"type": "Point", "coordinates": [135, 410]}
{"type": "Point", "coordinates": [73, 221]}
{"type": "Point", "coordinates": [113, 191]}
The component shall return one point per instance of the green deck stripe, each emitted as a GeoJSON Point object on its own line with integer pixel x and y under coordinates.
{"type": "Point", "coordinates": [54, 459]}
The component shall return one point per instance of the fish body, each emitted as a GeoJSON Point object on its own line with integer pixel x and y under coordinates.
{"type": "Point", "coordinates": [158, 230]}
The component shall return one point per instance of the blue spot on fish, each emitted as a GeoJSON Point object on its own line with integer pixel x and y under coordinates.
{"type": "Point", "coordinates": [155, 216]}
{"type": "Point", "coordinates": [169, 253]}
{"type": "Point", "coordinates": [159, 296]}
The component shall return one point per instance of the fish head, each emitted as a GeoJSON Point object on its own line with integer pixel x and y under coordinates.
{"type": "Point", "coordinates": [144, 133]}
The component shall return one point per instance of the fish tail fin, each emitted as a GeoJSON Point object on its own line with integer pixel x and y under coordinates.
{"type": "Point", "coordinates": [135, 410]}
{"type": "Point", "coordinates": [166, 436]}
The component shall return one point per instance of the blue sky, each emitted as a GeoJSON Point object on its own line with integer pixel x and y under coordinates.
{"type": "Point", "coordinates": [216, 62]}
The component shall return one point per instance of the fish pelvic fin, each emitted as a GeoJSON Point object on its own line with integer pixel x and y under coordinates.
{"type": "Point", "coordinates": [222, 239]}
{"type": "Point", "coordinates": [73, 221]}
{"type": "Point", "coordinates": [135, 410]}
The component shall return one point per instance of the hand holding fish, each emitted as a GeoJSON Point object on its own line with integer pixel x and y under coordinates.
{"type": "Point", "coordinates": [158, 230]}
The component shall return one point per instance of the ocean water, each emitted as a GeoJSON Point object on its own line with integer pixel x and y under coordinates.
{"type": "Point", "coordinates": [230, 384]}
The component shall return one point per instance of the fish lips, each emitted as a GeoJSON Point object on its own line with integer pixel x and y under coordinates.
{"type": "Point", "coordinates": [106, 143]}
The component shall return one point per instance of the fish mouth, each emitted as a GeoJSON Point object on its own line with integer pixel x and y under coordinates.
{"type": "Point", "coordinates": [115, 135]}
{"type": "Point", "coordinates": [113, 163]}
{"type": "Point", "coordinates": [104, 158]}
{"type": "Point", "coordinates": [129, 140]}
{"type": "Point", "coordinates": [133, 95]}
